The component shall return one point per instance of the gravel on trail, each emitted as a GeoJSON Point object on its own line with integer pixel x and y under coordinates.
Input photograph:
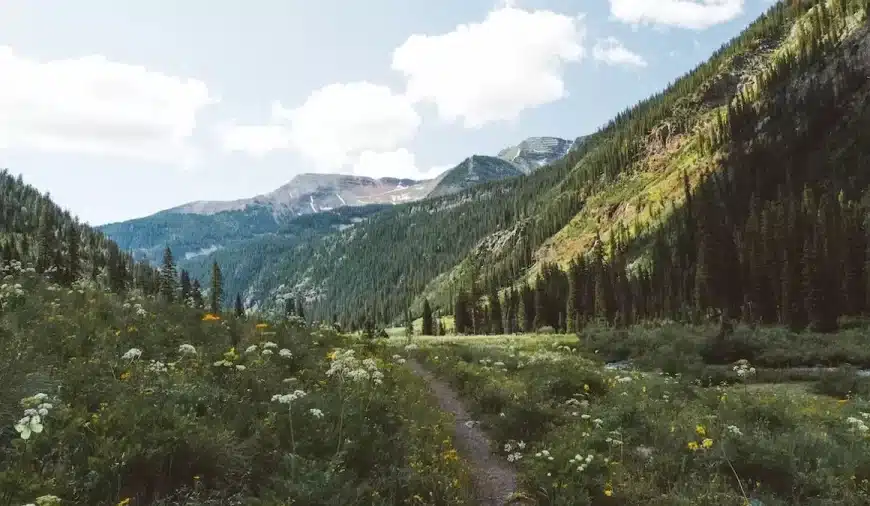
{"type": "Point", "coordinates": [494, 480]}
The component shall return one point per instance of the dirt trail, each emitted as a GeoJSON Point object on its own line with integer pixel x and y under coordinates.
{"type": "Point", "coordinates": [494, 480]}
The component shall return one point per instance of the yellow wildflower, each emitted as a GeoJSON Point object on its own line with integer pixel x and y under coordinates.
{"type": "Point", "coordinates": [261, 326]}
{"type": "Point", "coordinates": [700, 430]}
{"type": "Point", "coordinates": [125, 375]}
{"type": "Point", "coordinates": [608, 490]}
{"type": "Point", "coordinates": [586, 387]}
{"type": "Point", "coordinates": [124, 502]}
{"type": "Point", "coordinates": [707, 443]}
{"type": "Point", "coordinates": [693, 446]}
{"type": "Point", "coordinates": [210, 317]}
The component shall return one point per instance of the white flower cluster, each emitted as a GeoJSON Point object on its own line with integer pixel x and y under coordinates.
{"type": "Point", "coordinates": [858, 424]}
{"type": "Point", "coordinates": [734, 430]}
{"type": "Point", "coordinates": [316, 413]}
{"type": "Point", "coordinates": [346, 365]}
{"type": "Point", "coordinates": [624, 379]}
{"type": "Point", "coordinates": [46, 500]}
{"type": "Point", "coordinates": [288, 398]}
{"type": "Point", "coordinates": [399, 360]}
{"type": "Point", "coordinates": [544, 454]}
{"type": "Point", "coordinates": [187, 349]}
{"type": "Point", "coordinates": [251, 349]}
{"type": "Point", "coordinates": [744, 369]}
{"type": "Point", "coordinates": [514, 450]}
{"type": "Point", "coordinates": [285, 353]}
{"type": "Point", "coordinates": [411, 347]}
{"type": "Point", "coordinates": [614, 438]}
{"type": "Point", "coordinates": [581, 461]}
{"type": "Point", "coordinates": [132, 354]}
{"type": "Point", "coordinates": [157, 367]}
{"type": "Point", "coordinates": [14, 267]}
{"type": "Point", "coordinates": [35, 410]}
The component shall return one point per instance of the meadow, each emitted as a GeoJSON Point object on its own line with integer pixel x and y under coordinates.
{"type": "Point", "coordinates": [583, 433]}
{"type": "Point", "coordinates": [111, 400]}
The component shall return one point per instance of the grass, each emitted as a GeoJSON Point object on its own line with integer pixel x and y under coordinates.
{"type": "Point", "coordinates": [159, 404]}
{"type": "Point", "coordinates": [584, 435]}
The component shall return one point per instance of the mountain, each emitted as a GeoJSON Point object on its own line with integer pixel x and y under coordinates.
{"type": "Point", "coordinates": [472, 171]}
{"type": "Point", "coordinates": [312, 193]}
{"type": "Point", "coordinates": [199, 229]}
{"type": "Point", "coordinates": [779, 111]}
{"type": "Point", "coordinates": [535, 152]}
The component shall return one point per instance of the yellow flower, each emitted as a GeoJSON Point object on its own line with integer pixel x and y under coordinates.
{"type": "Point", "coordinates": [261, 326]}
{"type": "Point", "coordinates": [331, 356]}
{"type": "Point", "coordinates": [700, 430]}
{"type": "Point", "coordinates": [210, 317]}
{"type": "Point", "coordinates": [586, 387]}
{"type": "Point", "coordinates": [125, 375]}
{"type": "Point", "coordinates": [693, 445]}
{"type": "Point", "coordinates": [608, 490]}
{"type": "Point", "coordinates": [707, 443]}
{"type": "Point", "coordinates": [124, 502]}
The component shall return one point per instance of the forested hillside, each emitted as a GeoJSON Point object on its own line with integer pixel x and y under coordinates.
{"type": "Point", "coordinates": [750, 111]}
{"type": "Point", "coordinates": [36, 232]}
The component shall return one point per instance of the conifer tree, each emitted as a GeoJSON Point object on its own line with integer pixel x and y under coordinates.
{"type": "Point", "coordinates": [409, 325]}
{"type": "Point", "coordinates": [460, 313]}
{"type": "Point", "coordinates": [240, 308]}
{"type": "Point", "coordinates": [300, 310]}
{"type": "Point", "coordinates": [196, 294]}
{"type": "Point", "coordinates": [216, 294]}
{"type": "Point", "coordinates": [427, 327]}
{"type": "Point", "coordinates": [495, 317]}
{"type": "Point", "coordinates": [289, 307]}
{"type": "Point", "coordinates": [185, 286]}
{"type": "Point", "coordinates": [168, 276]}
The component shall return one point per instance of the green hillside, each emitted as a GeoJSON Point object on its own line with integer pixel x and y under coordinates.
{"type": "Point", "coordinates": [724, 122]}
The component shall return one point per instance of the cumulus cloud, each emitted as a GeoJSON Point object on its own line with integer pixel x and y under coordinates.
{"type": "Point", "coordinates": [400, 163]}
{"type": "Point", "coordinates": [492, 70]}
{"type": "Point", "coordinates": [332, 127]}
{"type": "Point", "coordinates": [95, 106]}
{"type": "Point", "coordinates": [612, 52]}
{"type": "Point", "coordinates": [690, 14]}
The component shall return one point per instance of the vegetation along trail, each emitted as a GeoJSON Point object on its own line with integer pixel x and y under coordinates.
{"type": "Point", "coordinates": [494, 481]}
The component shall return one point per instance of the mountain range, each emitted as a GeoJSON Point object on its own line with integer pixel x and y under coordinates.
{"type": "Point", "coordinates": [774, 125]}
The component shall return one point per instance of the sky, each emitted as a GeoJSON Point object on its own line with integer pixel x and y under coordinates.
{"type": "Point", "coordinates": [122, 109]}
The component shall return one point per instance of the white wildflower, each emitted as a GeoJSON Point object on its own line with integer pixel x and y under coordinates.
{"type": "Point", "coordinates": [187, 349]}
{"type": "Point", "coordinates": [285, 353]}
{"type": "Point", "coordinates": [316, 413]}
{"type": "Point", "coordinates": [132, 354]}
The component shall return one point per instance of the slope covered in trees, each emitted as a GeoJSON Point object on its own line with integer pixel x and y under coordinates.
{"type": "Point", "coordinates": [626, 183]}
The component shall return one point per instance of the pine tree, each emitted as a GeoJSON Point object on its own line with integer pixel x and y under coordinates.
{"type": "Point", "coordinates": [185, 286]}
{"type": "Point", "coordinates": [300, 310]}
{"type": "Point", "coordinates": [216, 294]}
{"type": "Point", "coordinates": [460, 313]}
{"type": "Point", "coordinates": [427, 329]}
{"type": "Point", "coordinates": [240, 308]}
{"type": "Point", "coordinates": [572, 309]}
{"type": "Point", "coordinates": [495, 317]}
{"type": "Point", "coordinates": [73, 253]}
{"type": "Point", "coordinates": [409, 325]}
{"type": "Point", "coordinates": [168, 276]}
{"type": "Point", "coordinates": [289, 307]}
{"type": "Point", "coordinates": [196, 294]}
{"type": "Point", "coordinates": [540, 299]}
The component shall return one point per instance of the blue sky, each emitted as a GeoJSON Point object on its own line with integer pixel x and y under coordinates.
{"type": "Point", "coordinates": [121, 109]}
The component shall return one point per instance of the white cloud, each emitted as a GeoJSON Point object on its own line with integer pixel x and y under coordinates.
{"type": "Point", "coordinates": [612, 52]}
{"type": "Point", "coordinates": [400, 163]}
{"type": "Point", "coordinates": [691, 14]}
{"type": "Point", "coordinates": [332, 127]}
{"type": "Point", "coordinates": [95, 106]}
{"type": "Point", "coordinates": [492, 70]}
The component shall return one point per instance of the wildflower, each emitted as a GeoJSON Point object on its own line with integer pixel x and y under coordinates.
{"type": "Point", "coordinates": [288, 398]}
{"type": "Point", "coordinates": [261, 326]}
{"type": "Point", "coordinates": [285, 353]}
{"type": "Point", "coordinates": [267, 352]}
{"type": "Point", "coordinates": [210, 317]}
{"type": "Point", "coordinates": [251, 349]}
{"type": "Point", "coordinates": [132, 354]}
{"type": "Point", "coordinates": [700, 430]}
{"type": "Point", "coordinates": [693, 446]}
{"type": "Point", "coordinates": [240, 367]}
{"type": "Point", "coordinates": [187, 349]}
{"type": "Point", "coordinates": [124, 502]}
{"type": "Point", "coordinates": [316, 413]}
{"type": "Point", "coordinates": [156, 367]}
{"type": "Point", "coordinates": [707, 443]}
{"type": "Point", "coordinates": [733, 429]}
{"type": "Point", "coordinates": [608, 490]}
{"type": "Point", "coordinates": [269, 344]}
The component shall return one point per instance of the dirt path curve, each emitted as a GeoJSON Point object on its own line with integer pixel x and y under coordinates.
{"type": "Point", "coordinates": [494, 480]}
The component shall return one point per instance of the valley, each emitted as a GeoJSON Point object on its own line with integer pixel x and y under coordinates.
{"type": "Point", "coordinates": [672, 310]}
